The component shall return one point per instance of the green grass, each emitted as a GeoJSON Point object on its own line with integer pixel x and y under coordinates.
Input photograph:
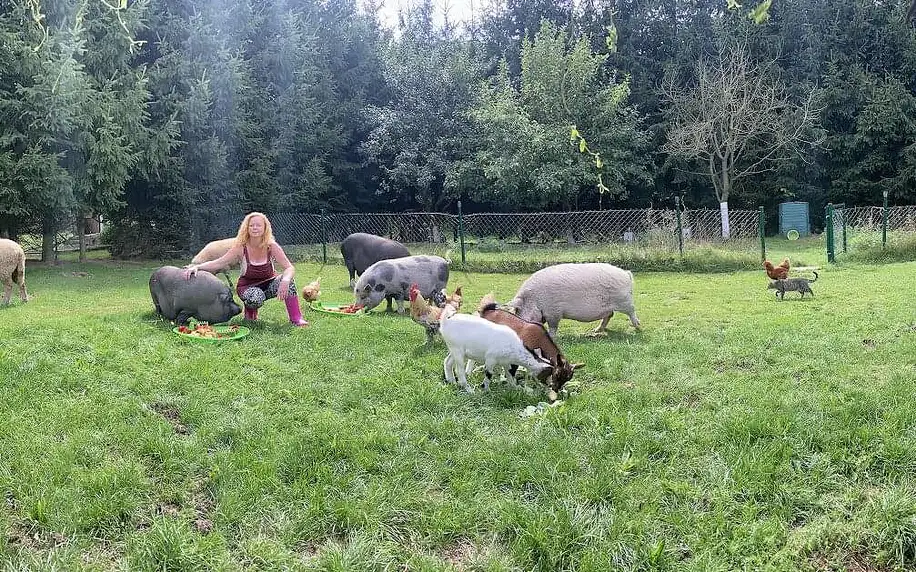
{"type": "Point", "coordinates": [734, 432]}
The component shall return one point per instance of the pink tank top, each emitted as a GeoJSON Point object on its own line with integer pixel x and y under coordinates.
{"type": "Point", "coordinates": [255, 274]}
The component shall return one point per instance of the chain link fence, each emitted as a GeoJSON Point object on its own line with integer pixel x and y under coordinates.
{"type": "Point", "coordinates": [66, 238]}
{"type": "Point", "coordinates": [521, 237]}
{"type": "Point", "coordinates": [494, 240]}
{"type": "Point", "coordinates": [588, 227]}
{"type": "Point", "coordinates": [866, 228]}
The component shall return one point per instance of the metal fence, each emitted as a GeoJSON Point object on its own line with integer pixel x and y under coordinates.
{"type": "Point", "coordinates": [317, 236]}
{"type": "Point", "coordinates": [570, 227]}
{"type": "Point", "coordinates": [849, 228]}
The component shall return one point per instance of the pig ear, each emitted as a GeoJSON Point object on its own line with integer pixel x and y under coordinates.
{"type": "Point", "coordinates": [367, 289]}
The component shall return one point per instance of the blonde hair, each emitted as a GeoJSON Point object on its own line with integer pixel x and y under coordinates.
{"type": "Point", "coordinates": [243, 238]}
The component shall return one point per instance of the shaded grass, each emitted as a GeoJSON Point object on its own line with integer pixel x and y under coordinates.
{"type": "Point", "coordinates": [733, 432]}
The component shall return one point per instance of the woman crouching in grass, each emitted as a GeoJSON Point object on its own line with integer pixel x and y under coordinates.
{"type": "Point", "coordinates": [256, 245]}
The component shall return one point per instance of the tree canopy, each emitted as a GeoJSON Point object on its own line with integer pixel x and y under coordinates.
{"type": "Point", "coordinates": [171, 119]}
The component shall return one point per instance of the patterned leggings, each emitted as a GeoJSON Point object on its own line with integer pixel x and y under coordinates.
{"type": "Point", "coordinates": [254, 296]}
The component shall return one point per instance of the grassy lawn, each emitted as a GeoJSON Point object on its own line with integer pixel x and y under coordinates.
{"type": "Point", "coordinates": [734, 432]}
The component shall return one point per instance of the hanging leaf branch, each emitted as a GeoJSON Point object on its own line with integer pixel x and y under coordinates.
{"type": "Point", "coordinates": [34, 7]}
{"type": "Point", "coordinates": [575, 137]}
{"type": "Point", "coordinates": [37, 17]}
{"type": "Point", "coordinates": [122, 5]}
{"type": "Point", "coordinates": [759, 14]}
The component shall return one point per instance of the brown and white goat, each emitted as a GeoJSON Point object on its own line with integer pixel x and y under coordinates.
{"type": "Point", "coordinates": [536, 340]}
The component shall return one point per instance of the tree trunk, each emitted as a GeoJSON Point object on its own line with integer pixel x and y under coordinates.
{"type": "Point", "coordinates": [7, 227]}
{"type": "Point", "coordinates": [723, 200]}
{"type": "Point", "coordinates": [48, 237]}
{"type": "Point", "coordinates": [81, 232]}
{"type": "Point", "coordinates": [726, 227]}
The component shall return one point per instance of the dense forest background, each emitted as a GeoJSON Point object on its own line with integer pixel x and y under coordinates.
{"type": "Point", "coordinates": [167, 116]}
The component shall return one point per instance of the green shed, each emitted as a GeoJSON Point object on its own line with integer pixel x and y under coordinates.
{"type": "Point", "coordinates": [794, 215]}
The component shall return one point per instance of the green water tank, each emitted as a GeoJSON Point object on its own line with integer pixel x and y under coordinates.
{"type": "Point", "coordinates": [794, 215]}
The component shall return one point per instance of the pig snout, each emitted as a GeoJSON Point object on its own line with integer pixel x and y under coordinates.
{"type": "Point", "coordinates": [233, 310]}
{"type": "Point", "coordinates": [223, 309]}
{"type": "Point", "coordinates": [369, 300]}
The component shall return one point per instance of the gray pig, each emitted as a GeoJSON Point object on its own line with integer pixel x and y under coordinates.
{"type": "Point", "coordinates": [387, 279]}
{"type": "Point", "coordinates": [361, 250]}
{"type": "Point", "coordinates": [582, 292]}
{"type": "Point", "coordinates": [204, 296]}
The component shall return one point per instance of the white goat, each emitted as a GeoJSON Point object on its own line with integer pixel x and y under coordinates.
{"type": "Point", "coordinates": [472, 338]}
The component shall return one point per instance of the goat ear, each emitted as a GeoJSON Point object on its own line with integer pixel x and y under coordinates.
{"type": "Point", "coordinates": [576, 366]}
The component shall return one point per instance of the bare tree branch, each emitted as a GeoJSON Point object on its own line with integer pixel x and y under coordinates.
{"type": "Point", "coordinates": [736, 120]}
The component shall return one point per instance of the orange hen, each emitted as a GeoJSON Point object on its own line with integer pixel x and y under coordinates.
{"type": "Point", "coordinates": [780, 272]}
{"type": "Point", "coordinates": [426, 314]}
{"type": "Point", "coordinates": [312, 290]}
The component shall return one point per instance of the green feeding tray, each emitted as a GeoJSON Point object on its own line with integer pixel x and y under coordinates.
{"type": "Point", "coordinates": [792, 234]}
{"type": "Point", "coordinates": [225, 333]}
{"type": "Point", "coordinates": [336, 309]}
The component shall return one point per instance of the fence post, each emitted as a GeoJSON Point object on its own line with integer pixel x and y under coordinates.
{"type": "Point", "coordinates": [843, 215]}
{"type": "Point", "coordinates": [884, 222]}
{"type": "Point", "coordinates": [324, 238]}
{"type": "Point", "coordinates": [831, 254]}
{"type": "Point", "coordinates": [761, 222]}
{"type": "Point", "coordinates": [461, 233]}
{"type": "Point", "coordinates": [680, 228]}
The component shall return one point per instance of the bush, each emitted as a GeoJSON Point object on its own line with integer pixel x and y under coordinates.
{"type": "Point", "coordinates": [867, 247]}
{"type": "Point", "coordinates": [491, 245]}
{"type": "Point", "coordinates": [132, 239]}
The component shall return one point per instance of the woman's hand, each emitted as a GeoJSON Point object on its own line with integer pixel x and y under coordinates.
{"type": "Point", "coordinates": [283, 290]}
{"type": "Point", "coordinates": [189, 271]}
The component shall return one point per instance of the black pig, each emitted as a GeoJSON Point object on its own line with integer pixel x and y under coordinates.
{"type": "Point", "coordinates": [361, 250]}
{"type": "Point", "coordinates": [204, 296]}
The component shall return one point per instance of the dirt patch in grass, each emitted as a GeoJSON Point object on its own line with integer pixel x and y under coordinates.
{"type": "Point", "coordinates": [203, 503]}
{"type": "Point", "coordinates": [847, 563]}
{"type": "Point", "coordinates": [172, 415]}
{"type": "Point", "coordinates": [460, 554]}
{"type": "Point", "coordinates": [168, 509]}
{"type": "Point", "coordinates": [312, 550]}
{"type": "Point", "coordinates": [21, 535]}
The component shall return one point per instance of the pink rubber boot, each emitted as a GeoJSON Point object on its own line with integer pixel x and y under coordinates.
{"type": "Point", "coordinates": [251, 313]}
{"type": "Point", "coordinates": [295, 314]}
